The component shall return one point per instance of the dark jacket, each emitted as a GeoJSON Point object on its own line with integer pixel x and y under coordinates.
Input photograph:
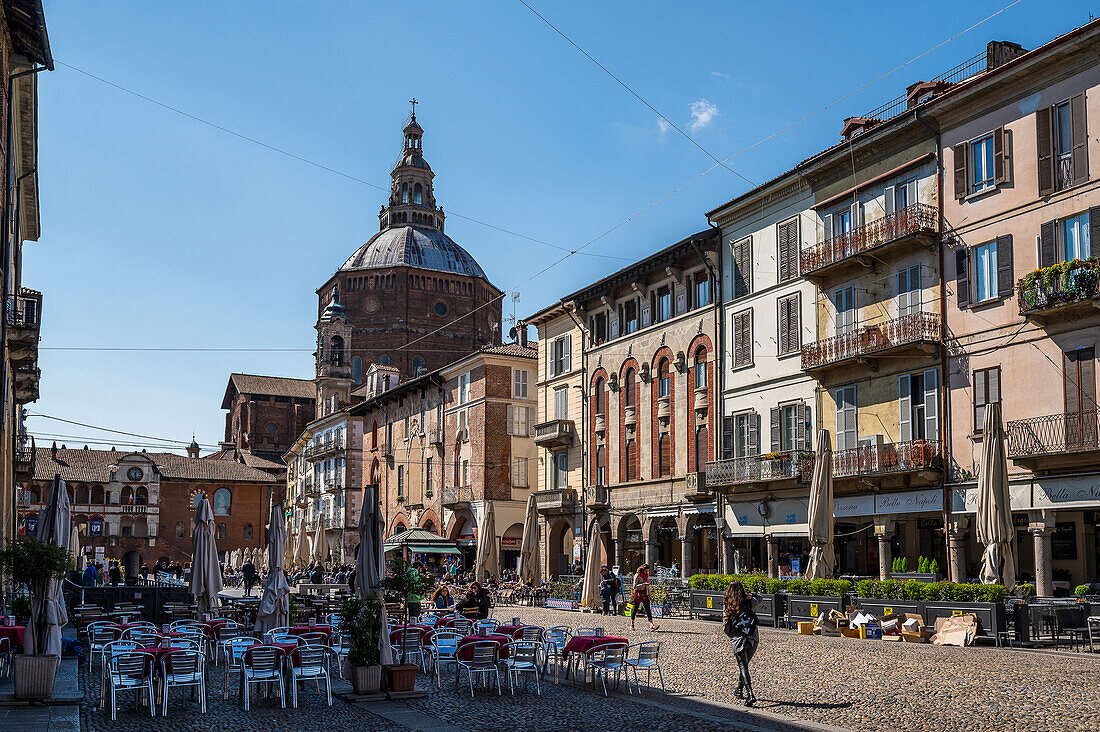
{"type": "Point", "coordinates": [249, 572]}
{"type": "Point", "coordinates": [114, 574]}
{"type": "Point", "coordinates": [317, 578]}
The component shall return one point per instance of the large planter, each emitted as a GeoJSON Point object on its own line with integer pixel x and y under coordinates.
{"type": "Point", "coordinates": [367, 679]}
{"type": "Point", "coordinates": [918, 576]}
{"type": "Point", "coordinates": [991, 615]}
{"type": "Point", "coordinates": [809, 607]}
{"type": "Point", "coordinates": [401, 677]}
{"type": "Point", "coordinates": [34, 676]}
{"type": "Point", "coordinates": [706, 603]}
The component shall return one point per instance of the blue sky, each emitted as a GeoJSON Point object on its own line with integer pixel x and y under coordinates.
{"type": "Point", "coordinates": [159, 231]}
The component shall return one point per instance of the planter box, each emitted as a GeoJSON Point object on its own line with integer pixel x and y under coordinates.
{"type": "Point", "coordinates": [808, 607]}
{"type": "Point", "coordinates": [366, 679]}
{"type": "Point", "coordinates": [881, 608]}
{"type": "Point", "coordinates": [709, 604]}
{"type": "Point", "coordinates": [918, 576]}
{"type": "Point", "coordinates": [34, 676]}
{"type": "Point", "coordinates": [991, 615]}
{"type": "Point", "coordinates": [662, 611]}
{"type": "Point", "coordinates": [401, 677]}
{"type": "Point", "coordinates": [562, 604]}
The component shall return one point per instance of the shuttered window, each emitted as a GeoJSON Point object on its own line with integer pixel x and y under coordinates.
{"type": "Point", "coordinates": [702, 448]}
{"type": "Point", "coordinates": [846, 436]}
{"type": "Point", "coordinates": [1061, 141]}
{"type": "Point", "coordinates": [664, 452]}
{"type": "Point", "coordinates": [787, 236]}
{"type": "Point", "coordinates": [1079, 373]}
{"type": "Point", "coordinates": [742, 268]}
{"type": "Point", "coordinates": [987, 390]}
{"type": "Point", "coordinates": [631, 461]}
{"type": "Point", "coordinates": [519, 473]}
{"type": "Point", "coordinates": [981, 163]}
{"type": "Point", "coordinates": [789, 332]}
{"type": "Point", "coordinates": [746, 435]}
{"type": "Point", "coordinates": [728, 429]}
{"type": "Point", "coordinates": [561, 355]}
{"type": "Point", "coordinates": [742, 338]}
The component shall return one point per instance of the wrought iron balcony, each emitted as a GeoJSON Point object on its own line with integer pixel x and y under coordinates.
{"type": "Point", "coordinates": [918, 220]}
{"type": "Point", "coordinates": [597, 498]}
{"type": "Point", "coordinates": [334, 521]}
{"type": "Point", "coordinates": [24, 313]}
{"type": "Point", "coordinates": [919, 331]}
{"type": "Point", "coordinates": [796, 466]}
{"type": "Point", "coordinates": [336, 485]}
{"type": "Point", "coordinates": [557, 433]}
{"type": "Point", "coordinates": [24, 462]}
{"type": "Point", "coordinates": [324, 449]}
{"type": "Point", "coordinates": [385, 449]}
{"type": "Point", "coordinates": [559, 500]}
{"type": "Point", "coordinates": [27, 379]}
{"type": "Point", "coordinates": [1055, 440]}
{"type": "Point", "coordinates": [1065, 289]}
{"type": "Point", "coordinates": [457, 496]}
{"type": "Point", "coordinates": [888, 458]}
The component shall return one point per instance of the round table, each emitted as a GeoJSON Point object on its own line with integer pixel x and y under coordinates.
{"type": "Point", "coordinates": [466, 648]}
{"type": "Point", "coordinates": [14, 633]}
{"type": "Point", "coordinates": [516, 631]}
{"type": "Point", "coordinates": [582, 644]}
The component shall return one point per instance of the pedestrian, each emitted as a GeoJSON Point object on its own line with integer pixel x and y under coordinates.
{"type": "Point", "coordinates": [88, 576]}
{"type": "Point", "coordinates": [674, 569]}
{"type": "Point", "coordinates": [607, 589]}
{"type": "Point", "coordinates": [743, 630]}
{"type": "Point", "coordinates": [115, 574]}
{"type": "Point", "coordinates": [641, 597]}
{"type": "Point", "coordinates": [249, 572]}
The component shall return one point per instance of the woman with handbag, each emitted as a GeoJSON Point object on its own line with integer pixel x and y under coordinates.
{"type": "Point", "coordinates": [742, 627]}
{"type": "Point", "coordinates": [641, 597]}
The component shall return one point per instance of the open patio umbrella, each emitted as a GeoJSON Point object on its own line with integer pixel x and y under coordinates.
{"type": "Point", "coordinates": [206, 580]}
{"type": "Point", "coordinates": [486, 565]}
{"type": "Point", "coordinates": [370, 562]}
{"type": "Point", "coordinates": [274, 608]}
{"type": "Point", "coordinates": [594, 559]}
{"type": "Point", "coordinates": [530, 570]}
{"type": "Point", "coordinates": [320, 543]}
{"type": "Point", "coordinates": [48, 616]}
{"type": "Point", "coordinates": [822, 556]}
{"type": "Point", "coordinates": [994, 517]}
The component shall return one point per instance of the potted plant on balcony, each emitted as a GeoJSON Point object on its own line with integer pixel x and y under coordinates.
{"type": "Point", "coordinates": [360, 625]}
{"type": "Point", "coordinates": [37, 565]}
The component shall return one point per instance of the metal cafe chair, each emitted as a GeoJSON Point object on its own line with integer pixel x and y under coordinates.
{"type": "Point", "coordinates": [443, 649]}
{"type": "Point", "coordinates": [310, 663]}
{"type": "Point", "coordinates": [183, 669]}
{"type": "Point", "coordinates": [98, 639]}
{"type": "Point", "coordinates": [588, 631]}
{"type": "Point", "coordinates": [523, 658]}
{"type": "Point", "coordinates": [489, 625]}
{"type": "Point", "coordinates": [482, 661]}
{"type": "Point", "coordinates": [234, 658]}
{"type": "Point", "coordinates": [130, 671]}
{"type": "Point", "coordinates": [554, 641]}
{"type": "Point", "coordinates": [261, 665]}
{"type": "Point", "coordinates": [531, 634]}
{"type": "Point", "coordinates": [607, 659]}
{"type": "Point", "coordinates": [647, 660]}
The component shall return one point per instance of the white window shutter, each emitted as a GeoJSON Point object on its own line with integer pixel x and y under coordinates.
{"type": "Point", "coordinates": [530, 421]}
{"type": "Point", "coordinates": [905, 409]}
{"type": "Point", "coordinates": [827, 223]}
{"type": "Point", "coordinates": [912, 186]}
{"type": "Point", "coordinates": [857, 210]}
{"type": "Point", "coordinates": [931, 405]}
{"type": "Point", "coordinates": [508, 420]}
{"type": "Point", "coordinates": [567, 354]}
{"type": "Point", "coordinates": [888, 200]}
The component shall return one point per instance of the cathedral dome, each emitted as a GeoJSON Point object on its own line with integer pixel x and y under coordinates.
{"type": "Point", "coordinates": [414, 246]}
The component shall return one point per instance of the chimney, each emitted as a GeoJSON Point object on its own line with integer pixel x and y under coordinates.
{"type": "Point", "coordinates": [521, 335]}
{"type": "Point", "coordinates": [999, 53]}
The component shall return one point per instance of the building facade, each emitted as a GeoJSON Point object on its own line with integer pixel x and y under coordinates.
{"type": "Point", "coordinates": [265, 414]}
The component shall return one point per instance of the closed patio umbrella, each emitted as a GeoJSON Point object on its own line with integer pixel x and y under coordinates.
{"type": "Point", "coordinates": [206, 579]}
{"type": "Point", "coordinates": [74, 547]}
{"type": "Point", "coordinates": [994, 517]}
{"type": "Point", "coordinates": [594, 559]}
{"type": "Point", "coordinates": [301, 549]}
{"type": "Point", "coordinates": [530, 569]}
{"type": "Point", "coordinates": [370, 562]}
{"type": "Point", "coordinates": [822, 555]}
{"type": "Point", "coordinates": [274, 608]}
{"type": "Point", "coordinates": [320, 543]}
{"type": "Point", "coordinates": [486, 565]}
{"type": "Point", "coordinates": [48, 616]}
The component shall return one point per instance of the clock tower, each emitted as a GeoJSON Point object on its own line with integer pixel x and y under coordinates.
{"type": "Point", "coordinates": [333, 360]}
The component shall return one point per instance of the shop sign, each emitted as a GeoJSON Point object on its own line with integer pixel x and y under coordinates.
{"type": "Point", "coordinates": [509, 542]}
{"type": "Point", "coordinates": [854, 505]}
{"type": "Point", "coordinates": [965, 499]}
{"type": "Point", "coordinates": [909, 502]}
{"type": "Point", "coordinates": [1066, 492]}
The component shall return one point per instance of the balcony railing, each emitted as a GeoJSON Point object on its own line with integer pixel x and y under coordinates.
{"type": "Point", "coordinates": [797, 466]}
{"type": "Point", "coordinates": [457, 495]}
{"type": "Point", "coordinates": [324, 449]}
{"type": "Point", "coordinates": [1055, 288]}
{"type": "Point", "coordinates": [1054, 434]}
{"type": "Point", "coordinates": [871, 340]}
{"type": "Point", "coordinates": [918, 218]}
{"type": "Point", "coordinates": [893, 457]}
{"type": "Point", "coordinates": [24, 311]}
{"type": "Point", "coordinates": [334, 521]}
{"type": "Point", "coordinates": [558, 500]}
{"type": "Point", "coordinates": [24, 461]}
{"type": "Point", "coordinates": [555, 433]}
{"type": "Point", "coordinates": [333, 486]}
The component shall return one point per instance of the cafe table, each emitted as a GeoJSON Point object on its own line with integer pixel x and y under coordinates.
{"type": "Point", "coordinates": [466, 648]}
{"type": "Point", "coordinates": [326, 629]}
{"type": "Point", "coordinates": [13, 633]}
{"type": "Point", "coordinates": [582, 645]}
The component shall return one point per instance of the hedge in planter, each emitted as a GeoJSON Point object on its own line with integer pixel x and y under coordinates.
{"type": "Point", "coordinates": [767, 585]}
{"type": "Point", "coordinates": [913, 590]}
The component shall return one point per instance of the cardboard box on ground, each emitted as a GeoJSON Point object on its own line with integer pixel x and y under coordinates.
{"type": "Point", "coordinates": [958, 630]}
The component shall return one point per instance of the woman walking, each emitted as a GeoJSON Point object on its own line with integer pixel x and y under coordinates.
{"type": "Point", "coordinates": [742, 628]}
{"type": "Point", "coordinates": [641, 596]}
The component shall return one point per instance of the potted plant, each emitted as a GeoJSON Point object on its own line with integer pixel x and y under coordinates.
{"type": "Point", "coordinates": [360, 624]}
{"type": "Point", "coordinates": [38, 565]}
{"type": "Point", "coordinates": [404, 582]}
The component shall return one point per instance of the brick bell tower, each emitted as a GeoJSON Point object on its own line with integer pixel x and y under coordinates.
{"type": "Point", "coordinates": [333, 357]}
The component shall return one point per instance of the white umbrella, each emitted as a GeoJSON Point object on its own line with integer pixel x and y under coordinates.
{"type": "Point", "coordinates": [590, 587]}
{"type": "Point", "coordinates": [74, 547]}
{"type": "Point", "coordinates": [206, 580]}
{"type": "Point", "coordinates": [320, 543]}
{"type": "Point", "coordinates": [994, 517]}
{"type": "Point", "coordinates": [530, 569]}
{"type": "Point", "coordinates": [275, 601]}
{"type": "Point", "coordinates": [48, 616]}
{"type": "Point", "coordinates": [486, 565]}
{"type": "Point", "coordinates": [370, 562]}
{"type": "Point", "coordinates": [822, 555]}
{"type": "Point", "coordinates": [301, 549]}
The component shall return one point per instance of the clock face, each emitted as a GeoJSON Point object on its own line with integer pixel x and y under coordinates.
{"type": "Point", "coordinates": [134, 474]}
{"type": "Point", "coordinates": [371, 305]}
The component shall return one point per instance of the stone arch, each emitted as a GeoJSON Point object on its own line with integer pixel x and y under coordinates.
{"type": "Point", "coordinates": [630, 542]}
{"type": "Point", "coordinates": [559, 545]}
{"type": "Point", "coordinates": [665, 532]}
{"type": "Point", "coordinates": [399, 523]}
{"type": "Point", "coordinates": [429, 516]}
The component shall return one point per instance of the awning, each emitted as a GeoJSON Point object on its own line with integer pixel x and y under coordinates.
{"type": "Point", "coordinates": [432, 549]}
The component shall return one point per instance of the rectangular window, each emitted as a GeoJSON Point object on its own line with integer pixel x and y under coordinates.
{"type": "Point", "coordinates": [1079, 370]}
{"type": "Point", "coordinates": [700, 289]}
{"type": "Point", "coordinates": [846, 435]}
{"type": "Point", "coordinates": [789, 327]}
{"type": "Point", "coordinates": [630, 316]}
{"type": "Point", "coordinates": [987, 390]}
{"type": "Point", "coordinates": [465, 472]}
{"type": "Point", "coordinates": [1074, 238]}
{"type": "Point", "coordinates": [918, 408]}
{"type": "Point", "coordinates": [597, 324]}
{"type": "Point", "coordinates": [560, 355]}
{"type": "Point", "coordinates": [405, 429]}
{"type": "Point", "coordinates": [662, 304]}
{"type": "Point", "coordinates": [909, 291]}
{"type": "Point", "coordinates": [984, 278]}
{"type": "Point", "coordinates": [742, 338]}
{"type": "Point", "coordinates": [842, 222]}
{"type": "Point", "coordinates": [464, 388]}
{"type": "Point", "coordinates": [464, 434]}
{"type": "Point", "coordinates": [428, 473]}
{"type": "Point", "coordinates": [742, 268]}
{"type": "Point", "coordinates": [787, 239]}
{"type": "Point", "coordinates": [400, 480]}
{"type": "Point", "coordinates": [845, 301]}
{"type": "Point", "coordinates": [519, 473]}
{"type": "Point", "coordinates": [519, 384]}
{"type": "Point", "coordinates": [561, 403]}
{"type": "Point", "coordinates": [559, 466]}
{"type": "Point", "coordinates": [746, 441]}
{"type": "Point", "coordinates": [700, 375]}
{"type": "Point", "coordinates": [517, 421]}
{"type": "Point", "coordinates": [981, 163]}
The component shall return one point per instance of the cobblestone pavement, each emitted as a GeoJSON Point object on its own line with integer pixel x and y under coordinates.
{"type": "Point", "coordinates": [869, 685]}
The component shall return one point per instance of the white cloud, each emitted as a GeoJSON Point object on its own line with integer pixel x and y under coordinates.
{"type": "Point", "coordinates": [663, 125]}
{"type": "Point", "coordinates": [720, 75]}
{"type": "Point", "coordinates": [703, 113]}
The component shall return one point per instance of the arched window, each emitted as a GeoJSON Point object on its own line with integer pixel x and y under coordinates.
{"type": "Point", "coordinates": [97, 495]}
{"type": "Point", "coordinates": [337, 356]}
{"type": "Point", "coordinates": [664, 455]}
{"type": "Point", "coordinates": [221, 531]}
{"type": "Point", "coordinates": [399, 529]}
{"type": "Point", "coordinates": [600, 396]}
{"type": "Point", "coordinates": [356, 369]}
{"type": "Point", "coordinates": [429, 526]}
{"type": "Point", "coordinates": [700, 373]}
{"type": "Point", "coordinates": [248, 531]}
{"type": "Point", "coordinates": [383, 360]}
{"type": "Point", "coordinates": [702, 448]}
{"type": "Point", "coordinates": [418, 365]}
{"type": "Point", "coordinates": [223, 501]}
{"type": "Point", "coordinates": [629, 388]}
{"type": "Point", "coordinates": [404, 193]}
{"type": "Point", "coordinates": [374, 439]}
{"type": "Point", "coordinates": [197, 500]}
{"type": "Point", "coordinates": [401, 481]}
{"type": "Point", "coordinates": [664, 379]}
{"type": "Point", "coordinates": [418, 194]}
{"type": "Point", "coordinates": [141, 496]}
{"type": "Point", "coordinates": [601, 465]}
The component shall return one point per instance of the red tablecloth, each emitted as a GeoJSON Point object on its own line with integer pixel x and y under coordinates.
{"type": "Point", "coordinates": [14, 633]}
{"type": "Point", "coordinates": [466, 648]}
{"type": "Point", "coordinates": [445, 622]}
{"type": "Point", "coordinates": [516, 631]}
{"type": "Point", "coordinates": [286, 648]}
{"type": "Point", "coordinates": [159, 652]}
{"type": "Point", "coordinates": [326, 629]}
{"type": "Point", "coordinates": [585, 643]}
